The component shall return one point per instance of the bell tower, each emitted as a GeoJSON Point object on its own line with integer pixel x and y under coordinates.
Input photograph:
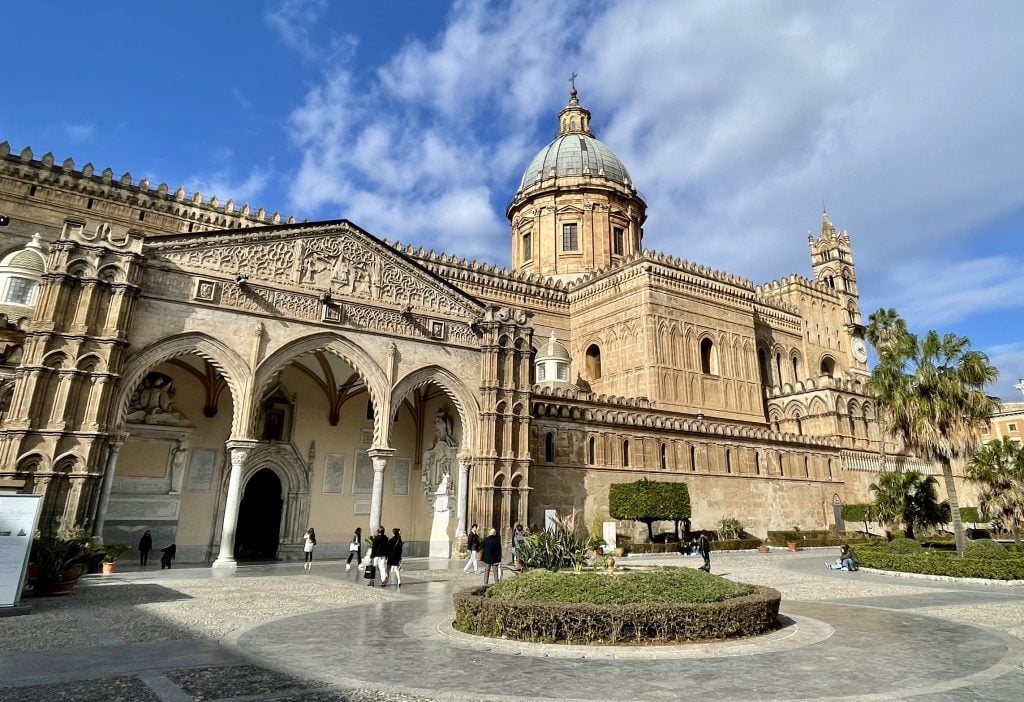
{"type": "Point", "coordinates": [832, 264]}
{"type": "Point", "coordinates": [576, 209]}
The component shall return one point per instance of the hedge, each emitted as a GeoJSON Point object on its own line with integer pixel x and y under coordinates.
{"type": "Point", "coordinates": [731, 545]}
{"type": "Point", "coordinates": [807, 539]}
{"type": "Point", "coordinates": [747, 615]}
{"type": "Point", "coordinates": [940, 563]}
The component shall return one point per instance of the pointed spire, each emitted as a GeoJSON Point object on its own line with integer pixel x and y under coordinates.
{"type": "Point", "coordinates": [827, 228]}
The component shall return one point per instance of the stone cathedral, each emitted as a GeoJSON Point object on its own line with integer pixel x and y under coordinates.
{"type": "Point", "coordinates": [227, 378]}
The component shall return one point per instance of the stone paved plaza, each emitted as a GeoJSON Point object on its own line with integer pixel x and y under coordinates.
{"type": "Point", "coordinates": [276, 633]}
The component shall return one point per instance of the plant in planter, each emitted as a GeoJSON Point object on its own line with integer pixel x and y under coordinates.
{"type": "Point", "coordinates": [58, 560]}
{"type": "Point", "coordinates": [792, 537]}
{"type": "Point", "coordinates": [110, 555]}
{"type": "Point", "coordinates": [596, 544]}
{"type": "Point", "coordinates": [763, 548]}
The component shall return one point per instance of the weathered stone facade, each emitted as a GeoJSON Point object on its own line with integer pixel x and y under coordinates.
{"type": "Point", "coordinates": [227, 379]}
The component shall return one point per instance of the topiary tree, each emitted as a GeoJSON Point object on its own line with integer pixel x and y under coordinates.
{"type": "Point", "coordinates": [860, 512]}
{"type": "Point", "coordinates": [649, 501]}
{"type": "Point", "coordinates": [986, 548]}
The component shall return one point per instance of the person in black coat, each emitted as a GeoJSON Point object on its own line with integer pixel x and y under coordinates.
{"type": "Point", "coordinates": [473, 545]}
{"type": "Point", "coordinates": [145, 546]}
{"type": "Point", "coordinates": [704, 549]}
{"type": "Point", "coordinates": [168, 555]}
{"type": "Point", "coordinates": [492, 555]}
{"type": "Point", "coordinates": [394, 559]}
{"type": "Point", "coordinates": [379, 554]}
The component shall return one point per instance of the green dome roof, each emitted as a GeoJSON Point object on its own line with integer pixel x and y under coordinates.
{"type": "Point", "coordinates": [573, 155]}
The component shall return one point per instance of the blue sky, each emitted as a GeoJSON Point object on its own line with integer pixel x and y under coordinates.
{"type": "Point", "coordinates": [416, 119]}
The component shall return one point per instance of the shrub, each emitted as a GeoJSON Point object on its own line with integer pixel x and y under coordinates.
{"type": "Point", "coordinates": [565, 545]}
{"type": "Point", "coordinates": [940, 563]}
{"type": "Point", "coordinates": [986, 548]}
{"type": "Point", "coordinates": [649, 501]}
{"type": "Point", "coordinates": [902, 545]}
{"type": "Point", "coordinates": [861, 512]}
{"type": "Point", "coordinates": [730, 529]}
{"type": "Point", "coordinates": [640, 622]}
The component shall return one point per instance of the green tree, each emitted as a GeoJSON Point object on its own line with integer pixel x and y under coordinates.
{"type": "Point", "coordinates": [649, 501]}
{"type": "Point", "coordinates": [859, 512]}
{"type": "Point", "coordinates": [998, 467]}
{"type": "Point", "coordinates": [910, 498]}
{"type": "Point", "coordinates": [931, 394]}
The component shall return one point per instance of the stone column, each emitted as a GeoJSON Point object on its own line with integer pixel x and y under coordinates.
{"type": "Point", "coordinates": [237, 451]}
{"type": "Point", "coordinates": [379, 456]}
{"type": "Point", "coordinates": [107, 484]}
{"type": "Point", "coordinates": [462, 503]}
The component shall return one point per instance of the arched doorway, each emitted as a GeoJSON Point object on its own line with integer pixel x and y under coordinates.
{"type": "Point", "coordinates": [259, 518]}
{"type": "Point", "coordinates": [837, 511]}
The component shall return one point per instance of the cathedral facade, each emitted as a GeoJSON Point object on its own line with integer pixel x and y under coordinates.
{"type": "Point", "coordinates": [227, 378]}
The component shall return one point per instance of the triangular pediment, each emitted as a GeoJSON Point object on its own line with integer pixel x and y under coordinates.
{"type": "Point", "coordinates": [335, 258]}
{"type": "Point", "coordinates": [570, 209]}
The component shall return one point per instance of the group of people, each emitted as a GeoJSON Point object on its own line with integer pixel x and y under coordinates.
{"type": "Point", "coordinates": [385, 557]}
{"type": "Point", "coordinates": [167, 553]}
{"type": "Point", "coordinates": [700, 545]}
{"type": "Point", "coordinates": [488, 550]}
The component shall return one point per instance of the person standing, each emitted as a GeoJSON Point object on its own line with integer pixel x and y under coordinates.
{"type": "Point", "coordinates": [518, 537]}
{"type": "Point", "coordinates": [394, 557]}
{"type": "Point", "coordinates": [379, 554]}
{"type": "Point", "coordinates": [308, 542]}
{"type": "Point", "coordinates": [145, 546]}
{"type": "Point", "coordinates": [492, 555]}
{"type": "Point", "coordinates": [473, 544]}
{"type": "Point", "coordinates": [704, 549]}
{"type": "Point", "coordinates": [355, 548]}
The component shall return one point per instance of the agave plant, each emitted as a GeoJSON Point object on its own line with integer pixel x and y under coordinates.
{"type": "Point", "coordinates": [564, 545]}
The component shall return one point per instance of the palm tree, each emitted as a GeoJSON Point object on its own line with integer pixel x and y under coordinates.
{"type": "Point", "coordinates": [910, 498]}
{"type": "Point", "coordinates": [999, 468]}
{"type": "Point", "coordinates": [931, 393]}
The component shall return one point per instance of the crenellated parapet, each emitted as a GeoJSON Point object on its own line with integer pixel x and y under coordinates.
{"type": "Point", "coordinates": [42, 183]}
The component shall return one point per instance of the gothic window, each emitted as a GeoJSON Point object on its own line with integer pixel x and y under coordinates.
{"type": "Point", "coordinates": [549, 447]}
{"type": "Point", "coordinates": [708, 357]}
{"type": "Point", "coordinates": [625, 453]}
{"type": "Point", "coordinates": [728, 460]}
{"type": "Point", "coordinates": [828, 366]}
{"type": "Point", "coordinates": [796, 369]}
{"type": "Point", "coordinates": [618, 243]}
{"type": "Point", "coordinates": [778, 366]}
{"type": "Point", "coordinates": [19, 290]}
{"type": "Point", "coordinates": [570, 237]}
{"type": "Point", "coordinates": [831, 282]}
{"type": "Point", "coordinates": [693, 459]}
{"type": "Point", "coordinates": [591, 458]}
{"type": "Point", "coordinates": [664, 457]}
{"type": "Point", "coordinates": [527, 246]}
{"type": "Point", "coordinates": [594, 362]}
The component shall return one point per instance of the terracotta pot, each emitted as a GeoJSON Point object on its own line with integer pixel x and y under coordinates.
{"type": "Point", "coordinates": [598, 551]}
{"type": "Point", "coordinates": [64, 587]}
{"type": "Point", "coordinates": [620, 551]}
{"type": "Point", "coordinates": [109, 567]}
{"type": "Point", "coordinates": [763, 549]}
{"type": "Point", "coordinates": [791, 545]}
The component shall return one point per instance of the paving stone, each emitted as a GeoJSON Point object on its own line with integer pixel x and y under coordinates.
{"type": "Point", "coordinates": [123, 689]}
{"type": "Point", "coordinates": [221, 683]}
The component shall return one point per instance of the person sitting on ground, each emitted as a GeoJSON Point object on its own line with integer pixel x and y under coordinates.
{"type": "Point", "coordinates": [846, 560]}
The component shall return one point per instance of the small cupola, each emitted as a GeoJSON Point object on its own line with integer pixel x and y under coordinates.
{"type": "Point", "coordinates": [553, 362]}
{"type": "Point", "coordinates": [574, 117]}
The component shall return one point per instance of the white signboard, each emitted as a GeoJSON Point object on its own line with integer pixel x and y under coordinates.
{"type": "Point", "coordinates": [334, 473]}
{"type": "Point", "coordinates": [19, 515]}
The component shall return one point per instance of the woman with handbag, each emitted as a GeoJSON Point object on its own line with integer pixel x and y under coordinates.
{"type": "Point", "coordinates": [355, 548]}
{"type": "Point", "coordinates": [308, 542]}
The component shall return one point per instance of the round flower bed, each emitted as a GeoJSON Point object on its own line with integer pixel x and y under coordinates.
{"type": "Point", "coordinates": [981, 559]}
{"type": "Point", "coordinates": [670, 605]}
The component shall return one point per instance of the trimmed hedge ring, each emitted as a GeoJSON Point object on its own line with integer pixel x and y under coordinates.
{"type": "Point", "coordinates": [747, 615]}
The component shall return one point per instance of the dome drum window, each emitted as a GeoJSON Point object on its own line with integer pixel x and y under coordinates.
{"type": "Point", "coordinates": [19, 291]}
{"type": "Point", "coordinates": [708, 357]}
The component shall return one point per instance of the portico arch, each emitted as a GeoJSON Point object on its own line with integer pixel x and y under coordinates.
{"type": "Point", "coordinates": [361, 362]}
{"type": "Point", "coordinates": [465, 402]}
{"type": "Point", "coordinates": [235, 371]}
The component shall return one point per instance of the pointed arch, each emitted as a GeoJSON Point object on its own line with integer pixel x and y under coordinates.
{"type": "Point", "coordinates": [465, 401]}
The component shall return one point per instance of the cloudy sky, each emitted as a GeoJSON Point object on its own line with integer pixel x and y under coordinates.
{"type": "Point", "coordinates": [415, 120]}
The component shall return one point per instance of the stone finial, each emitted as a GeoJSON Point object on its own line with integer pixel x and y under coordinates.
{"type": "Point", "coordinates": [261, 214]}
{"type": "Point", "coordinates": [197, 198]}
{"type": "Point", "coordinates": [126, 179]}
{"type": "Point", "coordinates": [214, 201]}
{"type": "Point", "coordinates": [5, 148]}
{"type": "Point", "coordinates": [291, 219]}
{"type": "Point", "coordinates": [179, 194]}
{"type": "Point", "coordinates": [26, 154]}
{"type": "Point", "coordinates": [229, 206]}
{"type": "Point", "coordinates": [276, 218]}
{"type": "Point", "coordinates": [68, 165]}
{"type": "Point", "coordinates": [88, 170]}
{"type": "Point", "coordinates": [107, 175]}
{"type": "Point", "coordinates": [47, 159]}
{"type": "Point", "coordinates": [245, 209]}
{"type": "Point", "coordinates": [161, 189]}
{"type": "Point", "coordinates": [144, 184]}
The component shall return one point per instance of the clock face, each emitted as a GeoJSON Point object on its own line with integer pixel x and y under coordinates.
{"type": "Point", "coordinates": [860, 352]}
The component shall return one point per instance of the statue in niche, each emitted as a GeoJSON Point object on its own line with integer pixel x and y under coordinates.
{"type": "Point", "coordinates": [439, 462]}
{"type": "Point", "coordinates": [443, 429]}
{"type": "Point", "coordinates": [153, 403]}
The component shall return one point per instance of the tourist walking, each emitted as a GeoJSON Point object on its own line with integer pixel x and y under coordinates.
{"type": "Point", "coordinates": [169, 552]}
{"type": "Point", "coordinates": [145, 546]}
{"type": "Point", "coordinates": [704, 549]}
{"type": "Point", "coordinates": [492, 555]}
{"type": "Point", "coordinates": [355, 548]}
{"type": "Point", "coordinates": [473, 544]}
{"type": "Point", "coordinates": [379, 555]}
{"type": "Point", "coordinates": [308, 542]}
{"type": "Point", "coordinates": [518, 537]}
{"type": "Point", "coordinates": [394, 559]}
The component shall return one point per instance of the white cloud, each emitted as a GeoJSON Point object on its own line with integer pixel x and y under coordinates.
{"type": "Point", "coordinates": [297, 23]}
{"type": "Point", "coordinates": [80, 131]}
{"type": "Point", "coordinates": [1009, 358]}
{"type": "Point", "coordinates": [227, 185]}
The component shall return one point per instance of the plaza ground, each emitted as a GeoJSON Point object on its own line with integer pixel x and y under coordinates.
{"type": "Point", "coordinates": [275, 632]}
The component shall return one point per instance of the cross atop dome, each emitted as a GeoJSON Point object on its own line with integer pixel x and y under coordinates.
{"type": "Point", "coordinates": [574, 118]}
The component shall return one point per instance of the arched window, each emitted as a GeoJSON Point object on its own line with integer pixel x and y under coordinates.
{"type": "Point", "coordinates": [693, 459]}
{"type": "Point", "coordinates": [594, 362]}
{"type": "Point", "coordinates": [625, 453]}
{"type": "Point", "coordinates": [828, 366]}
{"type": "Point", "coordinates": [799, 424]}
{"type": "Point", "coordinates": [778, 367]}
{"type": "Point", "coordinates": [830, 469]}
{"type": "Point", "coordinates": [728, 460]}
{"type": "Point", "coordinates": [549, 447]}
{"type": "Point", "coordinates": [762, 367]}
{"type": "Point", "coordinates": [796, 368]}
{"type": "Point", "coordinates": [591, 445]}
{"type": "Point", "coordinates": [757, 463]}
{"type": "Point", "coordinates": [708, 357]}
{"type": "Point", "coordinates": [664, 457]}
{"type": "Point", "coordinates": [807, 467]}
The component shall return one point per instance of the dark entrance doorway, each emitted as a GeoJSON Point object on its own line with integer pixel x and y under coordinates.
{"type": "Point", "coordinates": [259, 518]}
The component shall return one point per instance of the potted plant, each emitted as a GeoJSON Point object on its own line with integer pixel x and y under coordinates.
{"type": "Point", "coordinates": [792, 537]}
{"type": "Point", "coordinates": [58, 561]}
{"type": "Point", "coordinates": [763, 548]}
{"type": "Point", "coordinates": [110, 555]}
{"type": "Point", "coordinates": [597, 544]}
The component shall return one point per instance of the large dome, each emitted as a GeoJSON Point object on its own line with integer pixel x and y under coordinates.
{"type": "Point", "coordinates": [572, 155]}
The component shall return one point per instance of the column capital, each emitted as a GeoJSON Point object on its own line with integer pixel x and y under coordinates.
{"type": "Point", "coordinates": [382, 453]}
{"type": "Point", "coordinates": [116, 441]}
